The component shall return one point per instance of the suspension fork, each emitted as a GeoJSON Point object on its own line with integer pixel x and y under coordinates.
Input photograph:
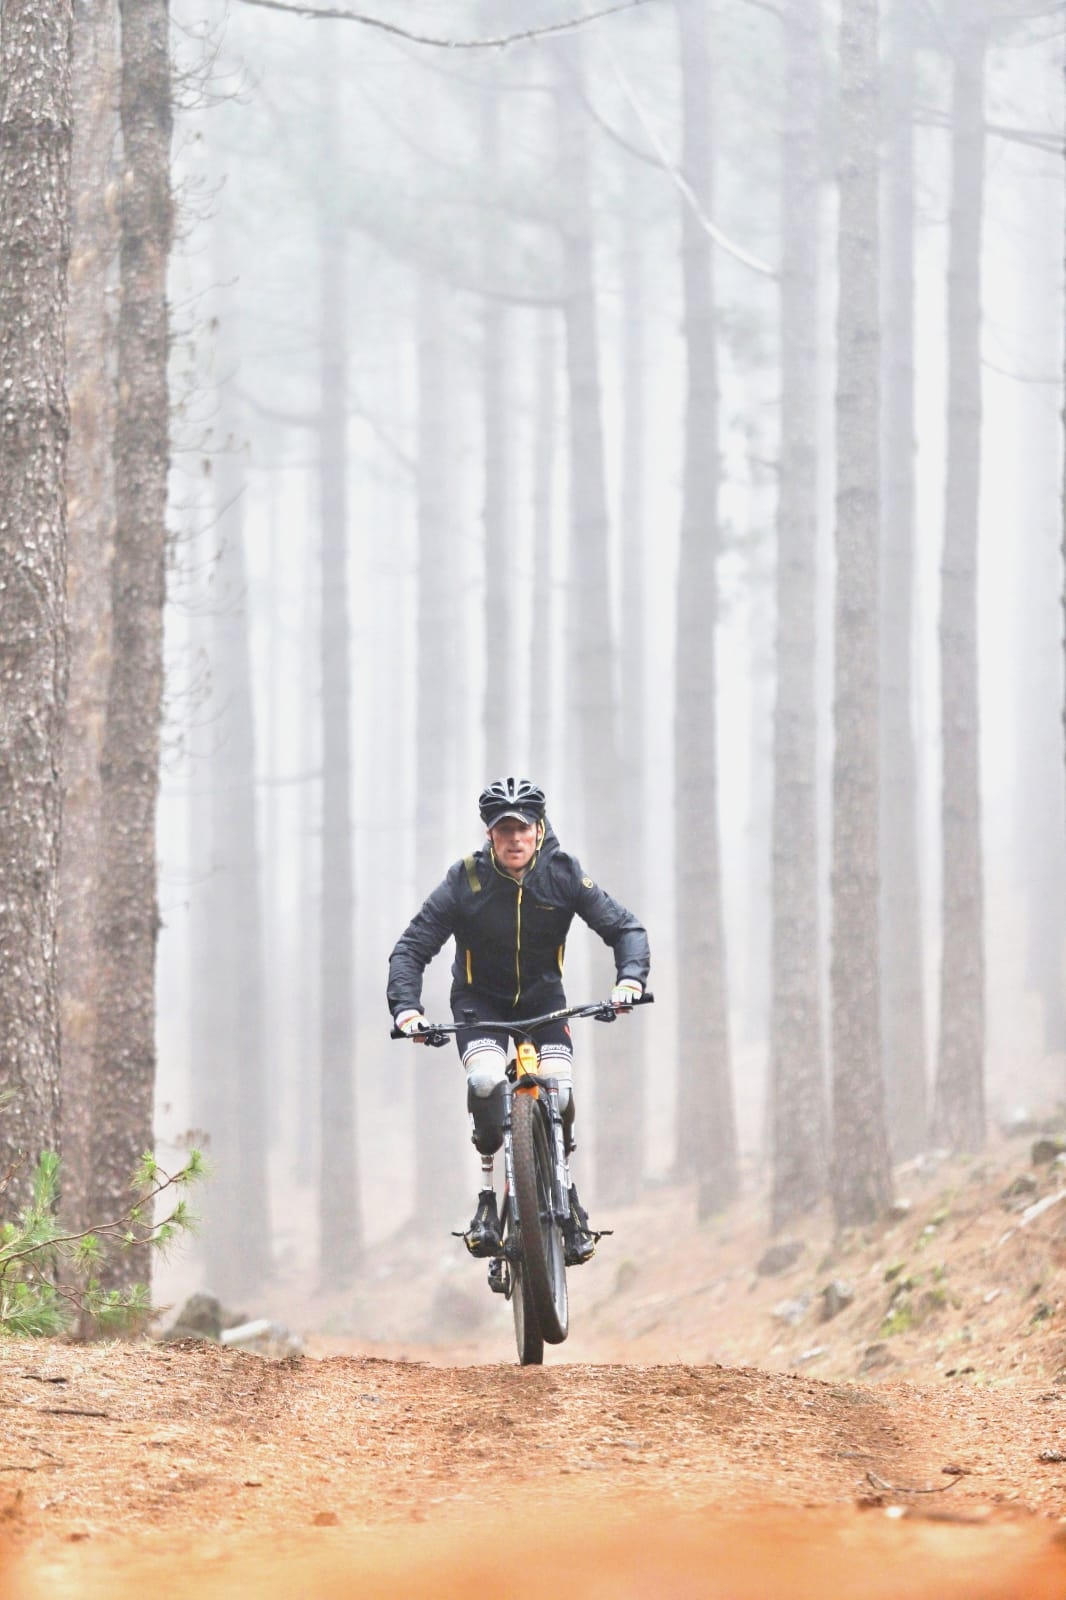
{"type": "Point", "coordinates": [528, 1061]}
{"type": "Point", "coordinates": [560, 1166]}
{"type": "Point", "coordinates": [508, 1154]}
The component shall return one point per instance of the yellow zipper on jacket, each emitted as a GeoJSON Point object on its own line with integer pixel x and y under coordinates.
{"type": "Point", "coordinates": [518, 912]}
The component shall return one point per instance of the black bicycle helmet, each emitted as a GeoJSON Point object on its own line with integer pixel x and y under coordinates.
{"type": "Point", "coordinates": [511, 797]}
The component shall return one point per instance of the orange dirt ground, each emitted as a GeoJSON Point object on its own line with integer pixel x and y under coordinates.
{"type": "Point", "coordinates": [705, 1431]}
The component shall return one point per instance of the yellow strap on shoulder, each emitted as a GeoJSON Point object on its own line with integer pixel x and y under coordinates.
{"type": "Point", "coordinates": [471, 874]}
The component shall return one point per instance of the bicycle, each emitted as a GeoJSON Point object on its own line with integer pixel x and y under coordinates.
{"type": "Point", "coordinates": [530, 1268]}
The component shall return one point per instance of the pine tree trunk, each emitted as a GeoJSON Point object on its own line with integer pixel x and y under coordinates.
{"type": "Point", "coordinates": [210, 1070]}
{"type": "Point", "coordinates": [959, 1101]}
{"type": "Point", "coordinates": [340, 1207]}
{"type": "Point", "coordinates": [589, 619]}
{"type": "Point", "coordinates": [629, 1055]}
{"type": "Point", "coordinates": [902, 995]}
{"type": "Point", "coordinates": [798, 1112]}
{"type": "Point", "coordinates": [706, 1125]}
{"type": "Point", "coordinates": [309, 874]}
{"type": "Point", "coordinates": [35, 144]}
{"type": "Point", "coordinates": [90, 538]}
{"type": "Point", "coordinates": [501, 662]}
{"type": "Point", "coordinates": [545, 428]}
{"type": "Point", "coordinates": [238, 1239]}
{"type": "Point", "coordinates": [1038, 820]}
{"type": "Point", "coordinates": [862, 1177]}
{"type": "Point", "coordinates": [589, 622]}
{"type": "Point", "coordinates": [444, 1163]}
{"type": "Point", "coordinates": [128, 918]}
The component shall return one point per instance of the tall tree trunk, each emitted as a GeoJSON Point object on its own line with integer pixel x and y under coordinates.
{"type": "Point", "coordinates": [238, 1239]}
{"type": "Point", "coordinates": [90, 536]}
{"type": "Point", "coordinates": [340, 1208]}
{"type": "Point", "coordinates": [276, 1000]}
{"type": "Point", "coordinates": [959, 1101]}
{"type": "Point", "coordinates": [862, 1176]}
{"type": "Point", "coordinates": [902, 995]}
{"type": "Point", "coordinates": [545, 428]}
{"type": "Point", "coordinates": [210, 1069]}
{"type": "Point", "coordinates": [1039, 840]}
{"type": "Point", "coordinates": [798, 1121]}
{"type": "Point", "coordinates": [629, 1066]}
{"type": "Point", "coordinates": [309, 874]}
{"type": "Point", "coordinates": [706, 1136]}
{"type": "Point", "coordinates": [35, 141]}
{"type": "Point", "coordinates": [128, 919]}
{"type": "Point", "coordinates": [443, 1170]}
{"type": "Point", "coordinates": [501, 664]}
{"type": "Point", "coordinates": [589, 613]}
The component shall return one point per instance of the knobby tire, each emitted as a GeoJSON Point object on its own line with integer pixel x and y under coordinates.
{"type": "Point", "coordinates": [543, 1269]}
{"type": "Point", "coordinates": [527, 1334]}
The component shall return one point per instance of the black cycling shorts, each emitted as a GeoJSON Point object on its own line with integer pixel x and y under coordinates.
{"type": "Point", "coordinates": [552, 1040]}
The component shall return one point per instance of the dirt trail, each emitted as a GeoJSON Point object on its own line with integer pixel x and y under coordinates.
{"type": "Point", "coordinates": [706, 1430]}
{"type": "Point", "coordinates": [112, 1456]}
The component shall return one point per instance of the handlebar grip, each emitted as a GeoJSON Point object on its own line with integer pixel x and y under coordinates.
{"type": "Point", "coordinates": [646, 999]}
{"type": "Point", "coordinates": [431, 1035]}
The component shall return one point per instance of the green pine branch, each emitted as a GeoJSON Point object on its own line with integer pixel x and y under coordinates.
{"type": "Point", "coordinates": [50, 1278]}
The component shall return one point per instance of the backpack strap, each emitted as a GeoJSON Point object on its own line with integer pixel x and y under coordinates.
{"type": "Point", "coordinates": [471, 874]}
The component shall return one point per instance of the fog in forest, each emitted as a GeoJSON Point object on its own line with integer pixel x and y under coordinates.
{"type": "Point", "coordinates": [436, 369]}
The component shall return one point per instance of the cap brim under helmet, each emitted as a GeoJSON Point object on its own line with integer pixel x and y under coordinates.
{"type": "Point", "coordinates": [525, 817]}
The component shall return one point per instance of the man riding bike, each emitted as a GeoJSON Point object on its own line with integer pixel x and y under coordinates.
{"type": "Point", "coordinates": [509, 907]}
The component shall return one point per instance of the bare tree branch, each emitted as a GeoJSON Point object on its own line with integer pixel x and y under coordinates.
{"type": "Point", "coordinates": [338, 14]}
{"type": "Point", "coordinates": [311, 418]}
{"type": "Point", "coordinates": [767, 5]}
{"type": "Point", "coordinates": [1051, 143]}
{"type": "Point", "coordinates": [689, 194]}
{"type": "Point", "coordinates": [1052, 382]}
{"type": "Point", "coordinates": [613, 134]}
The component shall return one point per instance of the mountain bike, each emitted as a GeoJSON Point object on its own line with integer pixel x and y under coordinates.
{"type": "Point", "coordinates": [530, 1267]}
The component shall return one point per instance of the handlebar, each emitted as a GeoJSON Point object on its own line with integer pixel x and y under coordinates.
{"type": "Point", "coordinates": [438, 1033]}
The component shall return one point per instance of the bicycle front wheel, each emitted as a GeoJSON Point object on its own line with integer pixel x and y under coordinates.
{"type": "Point", "coordinates": [543, 1267]}
{"type": "Point", "coordinates": [527, 1334]}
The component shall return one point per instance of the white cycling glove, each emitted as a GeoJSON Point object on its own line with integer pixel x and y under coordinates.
{"type": "Point", "coordinates": [625, 993]}
{"type": "Point", "coordinates": [412, 1023]}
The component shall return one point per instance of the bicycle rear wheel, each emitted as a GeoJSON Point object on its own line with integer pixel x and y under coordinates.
{"type": "Point", "coordinates": [543, 1266]}
{"type": "Point", "coordinates": [527, 1334]}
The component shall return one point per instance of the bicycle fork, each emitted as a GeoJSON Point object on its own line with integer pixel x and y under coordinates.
{"type": "Point", "coordinates": [549, 1088]}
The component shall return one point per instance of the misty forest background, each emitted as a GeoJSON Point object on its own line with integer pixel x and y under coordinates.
{"type": "Point", "coordinates": [667, 408]}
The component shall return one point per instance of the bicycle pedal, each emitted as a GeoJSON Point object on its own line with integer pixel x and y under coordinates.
{"type": "Point", "coordinates": [480, 1249]}
{"type": "Point", "coordinates": [577, 1251]}
{"type": "Point", "coordinates": [497, 1277]}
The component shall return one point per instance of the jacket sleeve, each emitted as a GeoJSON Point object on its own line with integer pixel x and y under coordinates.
{"type": "Point", "coordinates": [420, 941]}
{"type": "Point", "coordinates": [616, 926]}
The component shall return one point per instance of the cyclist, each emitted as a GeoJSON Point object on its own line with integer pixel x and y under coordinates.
{"type": "Point", "coordinates": [509, 907]}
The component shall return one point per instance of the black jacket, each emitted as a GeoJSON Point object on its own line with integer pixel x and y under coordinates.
{"type": "Point", "coordinates": [510, 937]}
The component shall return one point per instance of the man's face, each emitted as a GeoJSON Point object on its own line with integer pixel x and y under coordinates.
{"type": "Point", "coordinates": [514, 843]}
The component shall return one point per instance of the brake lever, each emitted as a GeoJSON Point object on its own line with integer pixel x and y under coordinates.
{"type": "Point", "coordinates": [431, 1036]}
